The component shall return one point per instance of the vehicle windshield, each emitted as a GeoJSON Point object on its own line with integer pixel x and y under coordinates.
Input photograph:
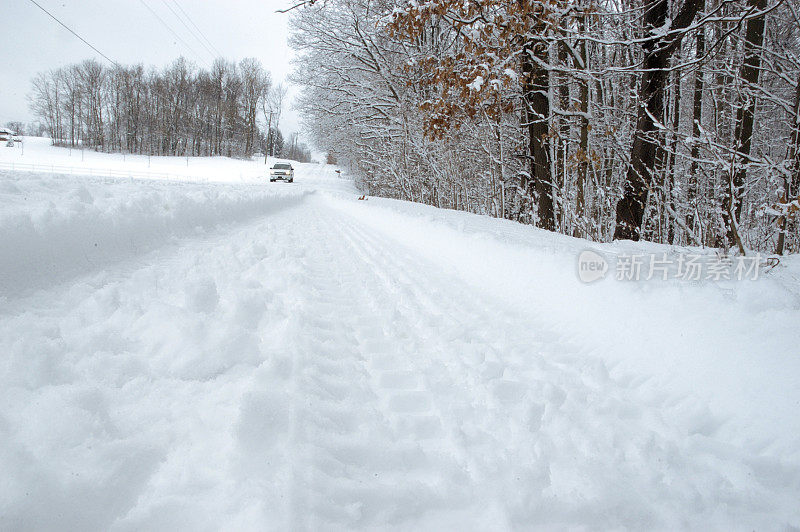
{"type": "Point", "coordinates": [282, 166]}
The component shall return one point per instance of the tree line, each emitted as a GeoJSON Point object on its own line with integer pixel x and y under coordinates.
{"type": "Point", "coordinates": [233, 109]}
{"type": "Point", "coordinates": [674, 121]}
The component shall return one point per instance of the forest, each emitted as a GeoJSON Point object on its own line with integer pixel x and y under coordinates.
{"type": "Point", "coordinates": [672, 121]}
{"type": "Point", "coordinates": [232, 110]}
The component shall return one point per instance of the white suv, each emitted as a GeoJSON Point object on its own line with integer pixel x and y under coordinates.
{"type": "Point", "coordinates": [281, 171]}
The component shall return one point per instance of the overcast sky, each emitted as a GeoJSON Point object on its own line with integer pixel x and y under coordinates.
{"type": "Point", "coordinates": [127, 32]}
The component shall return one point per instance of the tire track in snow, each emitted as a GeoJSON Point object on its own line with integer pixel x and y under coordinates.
{"type": "Point", "coordinates": [443, 322]}
{"type": "Point", "coordinates": [542, 402]}
{"type": "Point", "coordinates": [401, 375]}
{"type": "Point", "coordinates": [356, 470]}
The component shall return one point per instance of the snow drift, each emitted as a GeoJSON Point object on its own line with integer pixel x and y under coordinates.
{"type": "Point", "coordinates": [241, 355]}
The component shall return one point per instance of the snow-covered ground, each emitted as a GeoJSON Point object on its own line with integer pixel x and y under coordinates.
{"type": "Point", "coordinates": [36, 153]}
{"type": "Point", "coordinates": [218, 352]}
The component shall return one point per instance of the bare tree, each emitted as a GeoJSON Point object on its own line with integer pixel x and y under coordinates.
{"type": "Point", "coordinates": [658, 47]}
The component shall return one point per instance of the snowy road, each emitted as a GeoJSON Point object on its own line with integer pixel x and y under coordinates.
{"type": "Point", "coordinates": [298, 367]}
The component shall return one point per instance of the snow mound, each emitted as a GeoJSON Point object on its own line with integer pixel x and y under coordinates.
{"type": "Point", "coordinates": [55, 227]}
{"type": "Point", "coordinates": [262, 357]}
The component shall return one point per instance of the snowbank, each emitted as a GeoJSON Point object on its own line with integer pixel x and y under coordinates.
{"type": "Point", "coordinates": [241, 355]}
{"type": "Point", "coordinates": [730, 345]}
{"type": "Point", "coordinates": [38, 155]}
{"type": "Point", "coordinates": [54, 227]}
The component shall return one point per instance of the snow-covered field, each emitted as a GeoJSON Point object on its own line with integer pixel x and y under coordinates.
{"type": "Point", "coordinates": [214, 351]}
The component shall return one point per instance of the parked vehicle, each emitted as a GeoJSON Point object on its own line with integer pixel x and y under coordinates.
{"type": "Point", "coordinates": [283, 171]}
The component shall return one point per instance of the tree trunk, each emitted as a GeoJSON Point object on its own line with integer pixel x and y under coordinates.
{"type": "Point", "coordinates": [658, 49]}
{"type": "Point", "coordinates": [745, 114]}
{"type": "Point", "coordinates": [563, 133]}
{"type": "Point", "coordinates": [671, 159]}
{"type": "Point", "coordinates": [792, 180]}
{"type": "Point", "coordinates": [697, 119]}
{"type": "Point", "coordinates": [536, 87]}
{"type": "Point", "coordinates": [583, 151]}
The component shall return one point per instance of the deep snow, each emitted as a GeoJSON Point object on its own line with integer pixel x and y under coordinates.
{"type": "Point", "coordinates": [235, 354]}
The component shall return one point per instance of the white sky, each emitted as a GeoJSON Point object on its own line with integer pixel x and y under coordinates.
{"type": "Point", "coordinates": [127, 32]}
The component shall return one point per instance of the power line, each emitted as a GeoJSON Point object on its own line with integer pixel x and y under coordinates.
{"type": "Point", "coordinates": [172, 32]}
{"type": "Point", "coordinates": [75, 34]}
{"type": "Point", "coordinates": [204, 45]}
{"type": "Point", "coordinates": [219, 54]}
